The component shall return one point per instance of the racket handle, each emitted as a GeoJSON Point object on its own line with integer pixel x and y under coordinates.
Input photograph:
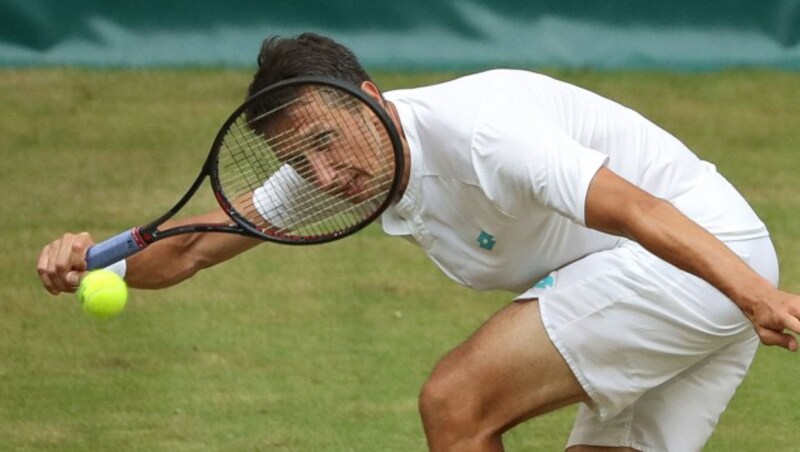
{"type": "Point", "coordinates": [114, 249]}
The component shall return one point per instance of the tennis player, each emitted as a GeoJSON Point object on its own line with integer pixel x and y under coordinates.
{"type": "Point", "coordinates": [643, 279]}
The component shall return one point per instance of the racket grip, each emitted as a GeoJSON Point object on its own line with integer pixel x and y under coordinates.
{"type": "Point", "coordinates": [114, 249]}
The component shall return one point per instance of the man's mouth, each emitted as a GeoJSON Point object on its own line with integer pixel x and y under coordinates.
{"type": "Point", "coordinates": [354, 186]}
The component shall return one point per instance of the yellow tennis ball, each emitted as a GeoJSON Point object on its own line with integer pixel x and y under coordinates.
{"type": "Point", "coordinates": [103, 294]}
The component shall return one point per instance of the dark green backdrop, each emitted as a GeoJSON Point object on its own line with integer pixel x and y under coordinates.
{"type": "Point", "coordinates": [408, 34]}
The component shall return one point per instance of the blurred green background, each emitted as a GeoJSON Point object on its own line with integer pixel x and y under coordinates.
{"type": "Point", "coordinates": [287, 348]}
{"type": "Point", "coordinates": [108, 108]}
{"type": "Point", "coordinates": [419, 35]}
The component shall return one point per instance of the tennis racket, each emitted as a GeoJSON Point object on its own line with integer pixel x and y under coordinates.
{"type": "Point", "coordinates": [305, 161]}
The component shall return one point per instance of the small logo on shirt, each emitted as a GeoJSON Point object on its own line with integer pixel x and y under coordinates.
{"type": "Point", "coordinates": [486, 240]}
{"type": "Point", "coordinates": [547, 281]}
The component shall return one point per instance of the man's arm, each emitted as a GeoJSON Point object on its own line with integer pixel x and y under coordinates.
{"type": "Point", "coordinates": [164, 263]}
{"type": "Point", "coordinates": [618, 207]}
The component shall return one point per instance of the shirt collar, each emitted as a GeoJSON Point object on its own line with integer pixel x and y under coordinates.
{"type": "Point", "coordinates": [395, 219]}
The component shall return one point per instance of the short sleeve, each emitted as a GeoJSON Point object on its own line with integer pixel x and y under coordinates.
{"type": "Point", "coordinates": [525, 160]}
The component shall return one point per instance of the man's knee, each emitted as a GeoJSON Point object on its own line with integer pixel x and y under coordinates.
{"type": "Point", "coordinates": [450, 407]}
{"type": "Point", "coordinates": [444, 399]}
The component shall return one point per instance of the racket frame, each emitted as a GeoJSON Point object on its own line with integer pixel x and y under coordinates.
{"type": "Point", "coordinates": [136, 239]}
{"type": "Point", "coordinates": [377, 109]}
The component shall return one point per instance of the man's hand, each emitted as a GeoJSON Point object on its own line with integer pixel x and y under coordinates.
{"type": "Point", "coordinates": [63, 261]}
{"type": "Point", "coordinates": [774, 316]}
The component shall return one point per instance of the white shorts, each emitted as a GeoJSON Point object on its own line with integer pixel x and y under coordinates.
{"type": "Point", "coordinates": [659, 351]}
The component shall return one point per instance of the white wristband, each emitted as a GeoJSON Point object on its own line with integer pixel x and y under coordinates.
{"type": "Point", "coordinates": [119, 268]}
{"type": "Point", "coordinates": [283, 200]}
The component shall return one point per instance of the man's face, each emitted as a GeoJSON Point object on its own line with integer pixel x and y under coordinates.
{"type": "Point", "coordinates": [342, 149]}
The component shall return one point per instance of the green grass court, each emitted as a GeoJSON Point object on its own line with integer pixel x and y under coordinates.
{"type": "Point", "coordinates": [299, 348]}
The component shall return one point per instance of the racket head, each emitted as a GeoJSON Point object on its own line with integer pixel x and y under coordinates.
{"type": "Point", "coordinates": [305, 161]}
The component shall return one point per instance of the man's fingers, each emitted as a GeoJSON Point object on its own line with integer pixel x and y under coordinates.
{"type": "Point", "coordinates": [58, 264]}
{"type": "Point", "coordinates": [792, 323]}
{"type": "Point", "coordinates": [55, 267]}
{"type": "Point", "coordinates": [72, 279]}
{"type": "Point", "coordinates": [79, 247]}
{"type": "Point", "coordinates": [62, 262]}
{"type": "Point", "coordinates": [77, 261]}
{"type": "Point", "coordinates": [41, 269]}
{"type": "Point", "coordinates": [771, 337]}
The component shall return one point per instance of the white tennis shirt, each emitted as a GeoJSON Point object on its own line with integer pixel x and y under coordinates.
{"type": "Point", "coordinates": [501, 162]}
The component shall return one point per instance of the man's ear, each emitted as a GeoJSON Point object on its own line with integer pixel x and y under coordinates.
{"type": "Point", "coordinates": [372, 91]}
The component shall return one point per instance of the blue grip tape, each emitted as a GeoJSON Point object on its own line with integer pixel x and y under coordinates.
{"type": "Point", "coordinates": [113, 250]}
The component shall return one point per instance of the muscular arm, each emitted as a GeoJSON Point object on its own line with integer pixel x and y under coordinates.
{"type": "Point", "coordinates": [162, 264]}
{"type": "Point", "coordinates": [616, 206]}
{"type": "Point", "coordinates": [177, 258]}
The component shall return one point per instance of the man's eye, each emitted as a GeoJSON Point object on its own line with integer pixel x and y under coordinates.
{"type": "Point", "coordinates": [324, 140]}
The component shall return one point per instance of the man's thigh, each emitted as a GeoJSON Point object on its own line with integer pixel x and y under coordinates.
{"type": "Point", "coordinates": [507, 371]}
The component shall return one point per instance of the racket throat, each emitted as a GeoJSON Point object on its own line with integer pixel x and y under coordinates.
{"type": "Point", "coordinates": [141, 238]}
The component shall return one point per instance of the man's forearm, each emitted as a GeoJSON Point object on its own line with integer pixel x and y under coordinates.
{"type": "Point", "coordinates": [670, 235]}
{"type": "Point", "coordinates": [174, 259]}
{"type": "Point", "coordinates": [617, 207]}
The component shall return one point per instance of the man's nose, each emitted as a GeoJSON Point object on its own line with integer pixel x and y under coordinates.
{"type": "Point", "coordinates": [323, 171]}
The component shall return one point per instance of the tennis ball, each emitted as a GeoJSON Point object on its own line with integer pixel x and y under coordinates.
{"type": "Point", "coordinates": [103, 294]}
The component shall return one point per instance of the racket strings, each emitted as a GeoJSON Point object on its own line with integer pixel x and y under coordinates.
{"type": "Point", "coordinates": [255, 169]}
{"type": "Point", "coordinates": [253, 117]}
{"type": "Point", "coordinates": [317, 165]}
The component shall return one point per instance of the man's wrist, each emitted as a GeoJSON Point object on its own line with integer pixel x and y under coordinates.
{"type": "Point", "coordinates": [119, 268]}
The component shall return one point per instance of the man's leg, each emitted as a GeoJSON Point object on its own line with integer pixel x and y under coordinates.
{"type": "Point", "coordinates": [633, 323]}
{"type": "Point", "coordinates": [507, 372]}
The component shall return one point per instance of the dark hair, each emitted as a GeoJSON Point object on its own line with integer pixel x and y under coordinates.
{"type": "Point", "coordinates": [281, 58]}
